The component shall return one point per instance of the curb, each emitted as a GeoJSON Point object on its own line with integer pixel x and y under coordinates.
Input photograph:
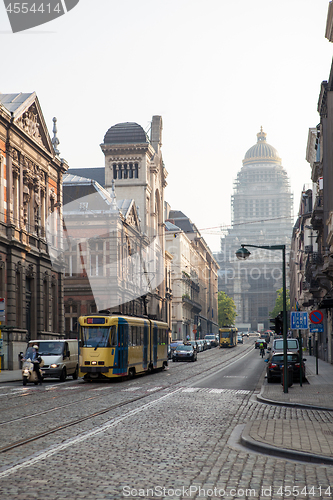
{"type": "Point", "coordinates": [305, 406]}
{"type": "Point", "coordinates": [247, 441]}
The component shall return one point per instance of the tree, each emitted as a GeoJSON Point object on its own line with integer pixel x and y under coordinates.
{"type": "Point", "coordinates": [226, 310]}
{"type": "Point", "coordinates": [279, 303]}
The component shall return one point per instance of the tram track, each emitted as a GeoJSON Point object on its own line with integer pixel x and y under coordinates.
{"type": "Point", "coordinates": [103, 411]}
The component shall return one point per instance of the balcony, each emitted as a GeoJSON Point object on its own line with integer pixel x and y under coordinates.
{"type": "Point", "coordinates": [318, 214]}
{"type": "Point", "coordinates": [327, 268]}
{"type": "Point", "coordinates": [196, 307]}
{"type": "Point", "coordinates": [329, 239]}
{"type": "Point", "coordinates": [315, 259]}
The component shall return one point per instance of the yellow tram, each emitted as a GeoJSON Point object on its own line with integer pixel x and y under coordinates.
{"type": "Point", "coordinates": [228, 336]}
{"type": "Point", "coordinates": [113, 346]}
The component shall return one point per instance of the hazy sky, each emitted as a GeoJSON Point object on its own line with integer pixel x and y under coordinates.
{"type": "Point", "coordinates": [215, 70]}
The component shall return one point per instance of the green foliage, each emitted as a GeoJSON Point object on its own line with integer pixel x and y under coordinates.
{"type": "Point", "coordinates": [279, 303]}
{"type": "Point", "coordinates": [226, 310]}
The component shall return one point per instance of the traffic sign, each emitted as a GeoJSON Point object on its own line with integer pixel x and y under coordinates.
{"type": "Point", "coordinates": [299, 320]}
{"type": "Point", "coordinates": [316, 317]}
{"type": "Point", "coordinates": [316, 328]}
{"type": "Point", "coordinates": [2, 309]}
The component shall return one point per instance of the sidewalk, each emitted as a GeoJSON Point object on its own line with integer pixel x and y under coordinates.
{"type": "Point", "coordinates": [10, 376]}
{"type": "Point", "coordinates": [292, 438]}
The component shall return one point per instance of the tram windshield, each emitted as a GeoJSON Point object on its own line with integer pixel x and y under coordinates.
{"type": "Point", "coordinates": [225, 335]}
{"type": "Point", "coordinates": [98, 336]}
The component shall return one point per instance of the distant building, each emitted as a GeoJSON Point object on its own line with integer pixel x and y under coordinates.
{"type": "Point", "coordinates": [30, 190]}
{"type": "Point", "coordinates": [262, 207]}
{"type": "Point", "coordinates": [193, 279]}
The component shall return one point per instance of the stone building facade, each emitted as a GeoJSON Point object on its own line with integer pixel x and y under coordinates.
{"type": "Point", "coordinates": [104, 250]}
{"type": "Point", "coordinates": [134, 166]}
{"type": "Point", "coordinates": [30, 190]}
{"type": "Point", "coordinates": [193, 279]}
{"type": "Point", "coordinates": [261, 215]}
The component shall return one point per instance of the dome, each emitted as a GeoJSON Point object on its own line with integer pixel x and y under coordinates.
{"type": "Point", "coordinates": [126, 133]}
{"type": "Point", "coordinates": [262, 152]}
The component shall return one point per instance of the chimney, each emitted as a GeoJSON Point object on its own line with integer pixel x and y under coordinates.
{"type": "Point", "coordinates": [156, 133]}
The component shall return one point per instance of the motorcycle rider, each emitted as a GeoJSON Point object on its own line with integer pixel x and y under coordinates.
{"type": "Point", "coordinates": [36, 360]}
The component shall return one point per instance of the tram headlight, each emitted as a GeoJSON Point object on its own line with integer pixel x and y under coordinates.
{"type": "Point", "coordinates": [94, 362]}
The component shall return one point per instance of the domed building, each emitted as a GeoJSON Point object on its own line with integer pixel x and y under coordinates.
{"type": "Point", "coordinates": [262, 210]}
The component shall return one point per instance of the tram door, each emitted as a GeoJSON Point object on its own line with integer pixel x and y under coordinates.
{"type": "Point", "coordinates": [122, 348]}
{"type": "Point", "coordinates": [145, 345]}
{"type": "Point", "coordinates": [155, 332]}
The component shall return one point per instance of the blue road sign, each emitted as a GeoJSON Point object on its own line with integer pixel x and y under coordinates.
{"type": "Point", "coordinates": [299, 320]}
{"type": "Point", "coordinates": [316, 328]}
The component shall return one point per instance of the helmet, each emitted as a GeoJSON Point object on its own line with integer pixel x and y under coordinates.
{"type": "Point", "coordinates": [35, 346]}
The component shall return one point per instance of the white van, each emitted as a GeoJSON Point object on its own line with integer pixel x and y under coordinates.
{"type": "Point", "coordinates": [292, 346]}
{"type": "Point", "coordinates": [60, 357]}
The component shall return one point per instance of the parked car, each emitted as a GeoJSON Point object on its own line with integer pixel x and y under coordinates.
{"type": "Point", "coordinates": [195, 344]}
{"type": "Point", "coordinates": [200, 344]}
{"type": "Point", "coordinates": [275, 366]}
{"type": "Point", "coordinates": [211, 338]}
{"type": "Point", "coordinates": [292, 346]}
{"type": "Point", "coordinates": [257, 343]}
{"type": "Point", "coordinates": [184, 352]}
{"type": "Point", "coordinates": [173, 345]}
{"type": "Point", "coordinates": [204, 344]}
{"type": "Point", "coordinates": [239, 339]}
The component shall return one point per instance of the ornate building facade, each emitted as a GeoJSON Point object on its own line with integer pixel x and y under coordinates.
{"type": "Point", "coordinates": [104, 252]}
{"type": "Point", "coordinates": [193, 279]}
{"type": "Point", "coordinates": [261, 215]}
{"type": "Point", "coordinates": [30, 190]}
{"type": "Point", "coordinates": [134, 168]}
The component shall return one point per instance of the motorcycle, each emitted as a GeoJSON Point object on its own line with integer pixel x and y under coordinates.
{"type": "Point", "coordinates": [28, 372]}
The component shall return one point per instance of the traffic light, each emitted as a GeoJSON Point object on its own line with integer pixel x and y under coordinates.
{"type": "Point", "coordinates": [277, 326]}
{"type": "Point", "coordinates": [272, 326]}
{"type": "Point", "coordinates": [279, 323]}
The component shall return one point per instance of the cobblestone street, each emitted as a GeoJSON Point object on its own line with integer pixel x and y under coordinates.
{"type": "Point", "coordinates": [175, 442]}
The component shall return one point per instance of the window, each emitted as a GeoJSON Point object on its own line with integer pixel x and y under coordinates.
{"type": "Point", "coordinates": [96, 258]}
{"type": "Point", "coordinates": [45, 305]}
{"type": "Point", "coordinates": [71, 315]}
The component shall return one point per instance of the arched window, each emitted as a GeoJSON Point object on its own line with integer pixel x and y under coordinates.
{"type": "Point", "coordinates": [131, 170]}
{"type": "Point", "coordinates": [120, 173]}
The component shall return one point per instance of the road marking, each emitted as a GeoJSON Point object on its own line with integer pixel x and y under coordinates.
{"type": "Point", "coordinates": [215, 391]}
{"type": "Point", "coordinates": [83, 437]}
{"type": "Point", "coordinates": [131, 389]}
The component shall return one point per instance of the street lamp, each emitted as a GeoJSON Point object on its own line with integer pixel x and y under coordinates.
{"type": "Point", "coordinates": [243, 254]}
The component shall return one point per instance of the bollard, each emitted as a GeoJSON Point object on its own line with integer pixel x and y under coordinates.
{"type": "Point", "coordinates": [290, 375]}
